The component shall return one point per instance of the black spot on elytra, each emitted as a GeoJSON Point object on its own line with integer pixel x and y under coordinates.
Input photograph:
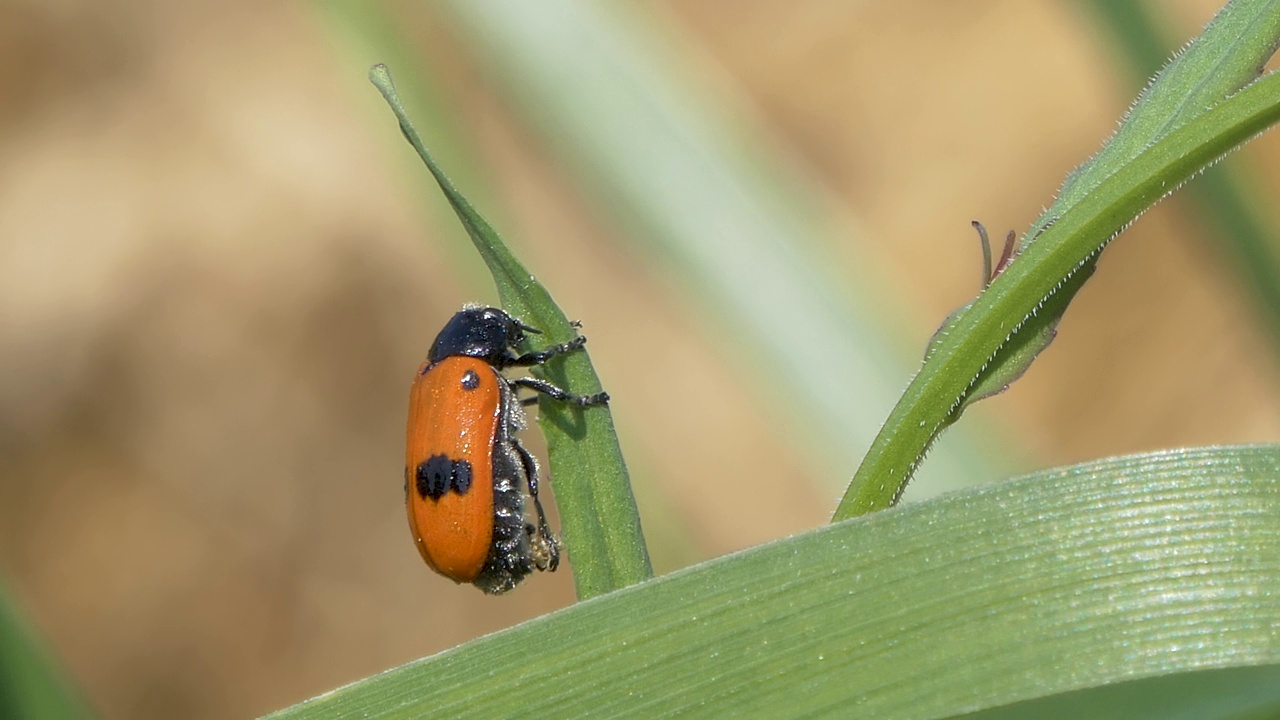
{"type": "Point", "coordinates": [470, 380]}
{"type": "Point", "coordinates": [461, 477]}
{"type": "Point", "coordinates": [438, 475]}
{"type": "Point", "coordinates": [433, 477]}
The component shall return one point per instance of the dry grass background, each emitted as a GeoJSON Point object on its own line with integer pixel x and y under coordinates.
{"type": "Point", "coordinates": [216, 280]}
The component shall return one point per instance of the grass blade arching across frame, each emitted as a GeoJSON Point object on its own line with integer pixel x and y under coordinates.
{"type": "Point", "coordinates": [1052, 260]}
{"type": "Point", "coordinates": [1074, 578]}
{"type": "Point", "coordinates": [598, 516]}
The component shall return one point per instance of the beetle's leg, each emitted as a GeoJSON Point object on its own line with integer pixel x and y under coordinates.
{"type": "Point", "coordinates": [552, 547]}
{"type": "Point", "coordinates": [546, 388]}
{"type": "Point", "coordinates": [541, 356]}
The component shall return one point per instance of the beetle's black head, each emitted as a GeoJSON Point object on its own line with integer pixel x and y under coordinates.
{"type": "Point", "coordinates": [480, 332]}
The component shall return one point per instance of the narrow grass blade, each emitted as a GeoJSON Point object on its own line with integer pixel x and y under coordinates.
{"type": "Point", "coordinates": [598, 513]}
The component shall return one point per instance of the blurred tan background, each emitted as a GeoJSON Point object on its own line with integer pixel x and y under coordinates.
{"type": "Point", "coordinates": [219, 270]}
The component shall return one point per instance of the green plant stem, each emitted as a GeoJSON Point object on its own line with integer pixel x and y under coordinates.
{"type": "Point", "coordinates": [1242, 230]}
{"type": "Point", "coordinates": [1061, 251]}
{"type": "Point", "coordinates": [1228, 55]}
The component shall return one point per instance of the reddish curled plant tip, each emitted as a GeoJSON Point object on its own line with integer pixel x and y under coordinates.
{"type": "Point", "coordinates": [985, 243]}
{"type": "Point", "coordinates": [1006, 256]}
{"type": "Point", "coordinates": [990, 272]}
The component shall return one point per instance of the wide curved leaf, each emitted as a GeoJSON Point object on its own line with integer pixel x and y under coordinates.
{"type": "Point", "coordinates": [1130, 568]}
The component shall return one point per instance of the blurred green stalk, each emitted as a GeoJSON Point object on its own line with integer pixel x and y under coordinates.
{"type": "Point", "coordinates": [31, 684]}
{"type": "Point", "coordinates": [697, 195]}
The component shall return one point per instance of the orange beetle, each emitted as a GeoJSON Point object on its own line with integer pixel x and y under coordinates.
{"type": "Point", "coordinates": [465, 470]}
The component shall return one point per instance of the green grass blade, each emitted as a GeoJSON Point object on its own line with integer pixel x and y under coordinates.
{"type": "Point", "coordinates": [598, 513]}
{"type": "Point", "coordinates": [30, 685]}
{"type": "Point", "coordinates": [1080, 577]}
{"type": "Point", "coordinates": [1053, 262]}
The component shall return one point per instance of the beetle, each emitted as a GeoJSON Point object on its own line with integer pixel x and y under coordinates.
{"type": "Point", "coordinates": [466, 473]}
